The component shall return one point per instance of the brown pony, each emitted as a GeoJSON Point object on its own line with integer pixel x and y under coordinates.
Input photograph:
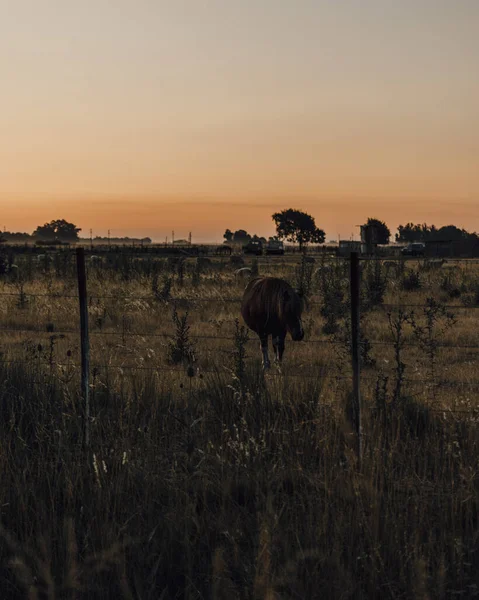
{"type": "Point", "coordinates": [271, 306]}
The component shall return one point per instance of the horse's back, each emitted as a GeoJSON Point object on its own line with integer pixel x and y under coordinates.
{"type": "Point", "coordinates": [261, 305]}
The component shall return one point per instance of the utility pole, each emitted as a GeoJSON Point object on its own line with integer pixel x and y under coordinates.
{"type": "Point", "coordinates": [189, 238]}
{"type": "Point", "coordinates": [172, 238]}
{"type": "Point", "coordinates": [108, 238]}
{"type": "Point", "coordinates": [91, 239]}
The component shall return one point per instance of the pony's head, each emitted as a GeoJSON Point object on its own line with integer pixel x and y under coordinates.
{"type": "Point", "coordinates": [292, 310]}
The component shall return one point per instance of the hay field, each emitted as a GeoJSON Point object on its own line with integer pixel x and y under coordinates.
{"type": "Point", "coordinates": [207, 478]}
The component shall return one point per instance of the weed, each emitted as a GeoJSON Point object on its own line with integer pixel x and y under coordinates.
{"type": "Point", "coordinates": [436, 320]}
{"type": "Point", "coordinates": [241, 338]}
{"type": "Point", "coordinates": [254, 268]}
{"type": "Point", "coordinates": [375, 285]}
{"type": "Point", "coordinates": [304, 276]}
{"type": "Point", "coordinates": [196, 275]}
{"type": "Point", "coordinates": [163, 294]}
{"type": "Point", "coordinates": [181, 350]}
{"type": "Point", "coordinates": [397, 322]}
{"type": "Point", "coordinates": [180, 271]}
{"type": "Point", "coordinates": [335, 303]}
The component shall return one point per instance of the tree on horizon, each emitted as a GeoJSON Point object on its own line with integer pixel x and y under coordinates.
{"type": "Point", "coordinates": [298, 227]}
{"type": "Point", "coordinates": [228, 235]}
{"type": "Point", "coordinates": [425, 233]}
{"type": "Point", "coordinates": [58, 229]}
{"type": "Point", "coordinates": [382, 232]}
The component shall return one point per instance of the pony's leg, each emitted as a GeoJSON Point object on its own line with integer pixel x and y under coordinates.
{"type": "Point", "coordinates": [264, 349]}
{"type": "Point", "coordinates": [278, 345]}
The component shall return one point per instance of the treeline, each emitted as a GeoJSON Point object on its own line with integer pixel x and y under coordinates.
{"type": "Point", "coordinates": [292, 225]}
{"type": "Point", "coordinates": [430, 233]}
{"type": "Point", "coordinates": [62, 232]}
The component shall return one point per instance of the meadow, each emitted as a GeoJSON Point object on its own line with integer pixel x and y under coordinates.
{"type": "Point", "coordinates": [208, 478]}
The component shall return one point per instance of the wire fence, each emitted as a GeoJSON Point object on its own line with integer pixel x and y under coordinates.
{"type": "Point", "coordinates": [92, 296]}
{"type": "Point", "coordinates": [171, 335]}
{"type": "Point", "coordinates": [125, 333]}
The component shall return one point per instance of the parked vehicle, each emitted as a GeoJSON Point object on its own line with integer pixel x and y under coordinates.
{"type": "Point", "coordinates": [253, 247]}
{"type": "Point", "coordinates": [275, 247]}
{"type": "Point", "coordinates": [414, 249]}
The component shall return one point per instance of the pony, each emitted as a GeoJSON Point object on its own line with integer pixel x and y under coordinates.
{"type": "Point", "coordinates": [270, 306]}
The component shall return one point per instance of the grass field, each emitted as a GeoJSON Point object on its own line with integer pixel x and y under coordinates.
{"type": "Point", "coordinates": [207, 478]}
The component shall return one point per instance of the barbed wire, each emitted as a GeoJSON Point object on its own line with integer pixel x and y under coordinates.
{"type": "Point", "coordinates": [148, 334]}
{"type": "Point", "coordinates": [197, 371]}
{"type": "Point", "coordinates": [92, 297]}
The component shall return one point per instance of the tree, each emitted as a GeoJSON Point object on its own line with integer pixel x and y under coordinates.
{"type": "Point", "coordinates": [58, 230]}
{"type": "Point", "coordinates": [241, 236]}
{"type": "Point", "coordinates": [297, 227]}
{"type": "Point", "coordinates": [409, 233]}
{"type": "Point", "coordinates": [381, 231]}
{"type": "Point", "coordinates": [450, 233]}
{"type": "Point", "coordinates": [228, 235]}
{"type": "Point", "coordinates": [425, 233]}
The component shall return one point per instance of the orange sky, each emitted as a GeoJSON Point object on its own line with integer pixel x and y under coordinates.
{"type": "Point", "coordinates": [148, 117]}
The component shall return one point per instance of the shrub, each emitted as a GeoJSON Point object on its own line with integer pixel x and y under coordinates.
{"type": "Point", "coordinates": [411, 281]}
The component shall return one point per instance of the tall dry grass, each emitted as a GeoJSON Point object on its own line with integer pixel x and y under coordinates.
{"type": "Point", "coordinates": [214, 487]}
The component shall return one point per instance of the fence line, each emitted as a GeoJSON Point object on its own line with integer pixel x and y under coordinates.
{"type": "Point", "coordinates": [353, 379]}
{"type": "Point", "coordinates": [228, 338]}
{"type": "Point", "coordinates": [93, 296]}
{"type": "Point", "coordinates": [198, 371]}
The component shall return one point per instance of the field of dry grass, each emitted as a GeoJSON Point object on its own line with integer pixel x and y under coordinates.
{"type": "Point", "coordinates": [224, 482]}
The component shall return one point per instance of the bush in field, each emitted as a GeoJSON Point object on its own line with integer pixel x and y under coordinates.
{"type": "Point", "coordinates": [451, 287]}
{"type": "Point", "coordinates": [430, 328]}
{"type": "Point", "coordinates": [162, 294]}
{"type": "Point", "coordinates": [374, 285]}
{"type": "Point", "coordinates": [334, 305]}
{"type": "Point", "coordinates": [411, 281]}
{"type": "Point", "coordinates": [304, 276]}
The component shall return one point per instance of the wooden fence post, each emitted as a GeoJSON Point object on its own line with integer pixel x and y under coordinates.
{"type": "Point", "coordinates": [85, 346]}
{"type": "Point", "coordinates": [355, 353]}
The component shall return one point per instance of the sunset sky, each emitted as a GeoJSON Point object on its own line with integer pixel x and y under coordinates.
{"type": "Point", "coordinates": [143, 116]}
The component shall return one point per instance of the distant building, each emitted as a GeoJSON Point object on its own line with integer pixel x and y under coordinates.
{"type": "Point", "coordinates": [348, 246]}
